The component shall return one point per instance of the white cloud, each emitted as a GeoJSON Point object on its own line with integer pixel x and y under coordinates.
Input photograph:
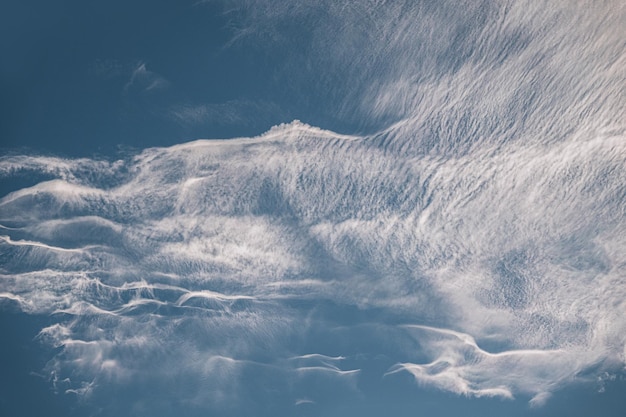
{"type": "Point", "coordinates": [143, 80]}
{"type": "Point", "coordinates": [494, 206]}
{"type": "Point", "coordinates": [461, 366]}
{"type": "Point", "coordinates": [233, 112]}
{"type": "Point", "coordinates": [520, 247]}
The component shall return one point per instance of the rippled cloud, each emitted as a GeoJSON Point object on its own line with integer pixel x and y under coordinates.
{"type": "Point", "coordinates": [477, 241]}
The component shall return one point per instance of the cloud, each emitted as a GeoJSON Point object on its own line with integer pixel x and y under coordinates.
{"type": "Point", "coordinates": [140, 79]}
{"type": "Point", "coordinates": [223, 244]}
{"type": "Point", "coordinates": [143, 80]}
{"type": "Point", "coordinates": [476, 240]}
{"type": "Point", "coordinates": [233, 112]}
{"type": "Point", "coordinates": [461, 366]}
{"type": "Point", "coordinates": [430, 64]}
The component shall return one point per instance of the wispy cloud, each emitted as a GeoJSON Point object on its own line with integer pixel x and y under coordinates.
{"type": "Point", "coordinates": [376, 62]}
{"type": "Point", "coordinates": [222, 237]}
{"type": "Point", "coordinates": [489, 215]}
{"type": "Point", "coordinates": [139, 78]}
{"type": "Point", "coordinates": [233, 112]}
{"type": "Point", "coordinates": [460, 365]}
{"type": "Point", "coordinates": [143, 80]}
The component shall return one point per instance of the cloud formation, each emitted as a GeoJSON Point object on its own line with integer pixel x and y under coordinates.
{"type": "Point", "coordinates": [476, 240]}
{"type": "Point", "coordinates": [143, 80]}
{"type": "Point", "coordinates": [458, 70]}
{"type": "Point", "coordinates": [520, 248]}
{"type": "Point", "coordinates": [234, 112]}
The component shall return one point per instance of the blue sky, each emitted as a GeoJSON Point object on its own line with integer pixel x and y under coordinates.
{"type": "Point", "coordinates": [85, 73]}
{"type": "Point", "coordinates": [151, 73]}
{"type": "Point", "coordinates": [313, 208]}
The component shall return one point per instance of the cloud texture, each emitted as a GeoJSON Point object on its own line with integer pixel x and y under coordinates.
{"type": "Point", "coordinates": [476, 240]}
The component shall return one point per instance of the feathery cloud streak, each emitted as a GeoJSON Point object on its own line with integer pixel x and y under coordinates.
{"type": "Point", "coordinates": [482, 226]}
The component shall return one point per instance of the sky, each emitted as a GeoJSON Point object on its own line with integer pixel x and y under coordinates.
{"type": "Point", "coordinates": [308, 207]}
